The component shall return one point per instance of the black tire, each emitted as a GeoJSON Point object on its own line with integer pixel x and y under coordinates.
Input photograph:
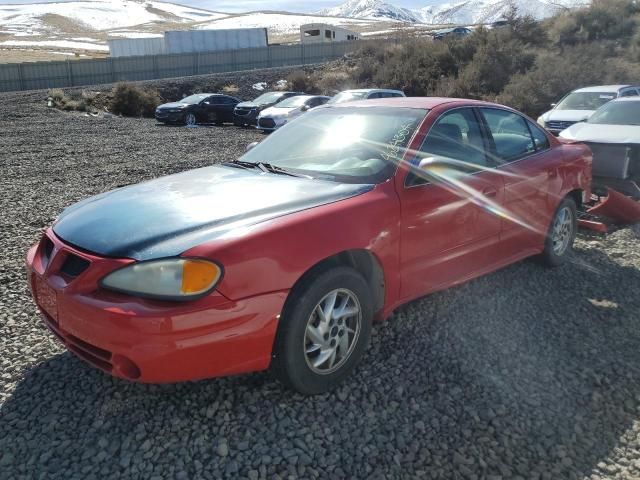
{"type": "Point", "coordinates": [291, 363]}
{"type": "Point", "coordinates": [551, 255]}
{"type": "Point", "coordinates": [187, 119]}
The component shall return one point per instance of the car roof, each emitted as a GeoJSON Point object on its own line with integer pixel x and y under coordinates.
{"type": "Point", "coordinates": [427, 103]}
{"type": "Point", "coordinates": [371, 90]}
{"type": "Point", "coordinates": [626, 99]}
{"type": "Point", "coordinates": [603, 88]}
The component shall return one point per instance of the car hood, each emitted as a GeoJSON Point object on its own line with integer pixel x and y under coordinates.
{"type": "Point", "coordinates": [567, 115]}
{"type": "Point", "coordinates": [278, 112]}
{"type": "Point", "coordinates": [173, 105]}
{"type": "Point", "coordinates": [599, 133]}
{"type": "Point", "coordinates": [169, 215]}
{"type": "Point", "coordinates": [252, 104]}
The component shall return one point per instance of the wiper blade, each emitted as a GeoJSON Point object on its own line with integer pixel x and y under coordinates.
{"type": "Point", "coordinates": [266, 167]}
{"type": "Point", "coordinates": [280, 170]}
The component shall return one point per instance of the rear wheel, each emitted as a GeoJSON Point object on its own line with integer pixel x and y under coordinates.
{"type": "Point", "coordinates": [324, 331]}
{"type": "Point", "coordinates": [558, 245]}
{"type": "Point", "coordinates": [190, 119]}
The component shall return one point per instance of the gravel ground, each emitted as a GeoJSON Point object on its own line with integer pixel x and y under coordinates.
{"type": "Point", "coordinates": [526, 373]}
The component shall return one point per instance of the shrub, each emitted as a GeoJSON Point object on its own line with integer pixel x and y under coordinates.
{"type": "Point", "coordinates": [333, 82]}
{"type": "Point", "coordinates": [230, 89]}
{"type": "Point", "coordinates": [300, 82]}
{"type": "Point", "coordinates": [132, 101]}
{"type": "Point", "coordinates": [56, 94]}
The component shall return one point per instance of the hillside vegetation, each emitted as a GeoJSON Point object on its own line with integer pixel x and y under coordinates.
{"type": "Point", "coordinates": [526, 64]}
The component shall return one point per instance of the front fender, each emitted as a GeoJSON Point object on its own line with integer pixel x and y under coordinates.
{"type": "Point", "coordinates": [273, 255]}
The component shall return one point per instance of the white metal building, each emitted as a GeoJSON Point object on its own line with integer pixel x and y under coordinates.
{"type": "Point", "coordinates": [190, 41]}
{"type": "Point", "coordinates": [325, 33]}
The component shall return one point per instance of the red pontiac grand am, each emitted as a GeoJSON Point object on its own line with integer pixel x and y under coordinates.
{"type": "Point", "coordinates": [282, 259]}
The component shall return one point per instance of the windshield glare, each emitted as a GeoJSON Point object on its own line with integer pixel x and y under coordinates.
{"type": "Point", "coordinates": [618, 113]}
{"type": "Point", "coordinates": [585, 100]}
{"type": "Point", "coordinates": [194, 99]}
{"type": "Point", "coordinates": [351, 145]}
{"type": "Point", "coordinates": [293, 102]}
{"type": "Point", "coordinates": [270, 97]}
{"type": "Point", "coordinates": [347, 96]}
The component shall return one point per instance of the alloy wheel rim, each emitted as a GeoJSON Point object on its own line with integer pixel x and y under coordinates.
{"type": "Point", "coordinates": [191, 119]}
{"type": "Point", "coordinates": [562, 231]}
{"type": "Point", "coordinates": [332, 331]}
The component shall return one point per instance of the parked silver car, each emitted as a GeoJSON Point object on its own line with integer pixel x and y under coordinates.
{"type": "Point", "coordinates": [285, 111]}
{"type": "Point", "coordinates": [613, 134]}
{"type": "Point", "coordinates": [580, 104]}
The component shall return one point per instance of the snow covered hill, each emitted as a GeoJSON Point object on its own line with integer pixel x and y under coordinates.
{"type": "Point", "coordinates": [460, 13]}
{"type": "Point", "coordinates": [377, 9]}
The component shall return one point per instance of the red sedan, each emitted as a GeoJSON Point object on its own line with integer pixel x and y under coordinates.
{"type": "Point", "coordinates": [282, 259]}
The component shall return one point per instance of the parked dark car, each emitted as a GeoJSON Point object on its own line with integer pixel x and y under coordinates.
{"type": "Point", "coordinates": [246, 113]}
{"type": "Point", "coordinates": [200, 108]}
{"type": "Point", "coordinates": [451, 33]}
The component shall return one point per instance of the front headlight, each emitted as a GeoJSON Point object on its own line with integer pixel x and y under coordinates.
{"type": "Point", "coordinates": [168, 279]}
{"type": "Point", "coordinates": [541, 122]}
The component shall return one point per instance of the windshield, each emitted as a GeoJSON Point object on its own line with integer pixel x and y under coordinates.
{"type": "Point", "coordinates": [293, 102]}
{"type": "Point", "coordinates": [585, 100]}
{"type": "Point", "coordinates": [350, 145]}
{"type": "Point", "coordinates": [270, 97]}
{"type": "Point", "coordinates": [194, 99]}
{"type": "Point", "coordinates": [618, 113]}
{"type": "Point", "coordinates": [347, 96]}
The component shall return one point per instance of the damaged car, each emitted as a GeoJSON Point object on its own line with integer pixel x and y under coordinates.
{"type": "Point", "coordinates": [283, 258]}
{"type": "Point", "coordinates": [613, 134]}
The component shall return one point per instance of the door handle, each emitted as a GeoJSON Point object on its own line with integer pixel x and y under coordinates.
{"type": "Point", "coordinates": [490, 192]}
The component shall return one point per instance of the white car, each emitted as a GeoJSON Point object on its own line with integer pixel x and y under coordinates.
{"type": "Point", "coordinates": [580, 104]}
{"type": "Point", "coordinates": [285, 111]}
{"type": "Point", "coordinates": [365, 94]}
{"type": "Point", "coordinates": [613, 134]}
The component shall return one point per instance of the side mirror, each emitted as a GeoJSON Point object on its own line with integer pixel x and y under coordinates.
{"type": "Point", "coordinates": [251, 146]}
{"type": "Point", "coordinates": [553, 105]}
{"type": "Point", "coordinates": [305, 108]}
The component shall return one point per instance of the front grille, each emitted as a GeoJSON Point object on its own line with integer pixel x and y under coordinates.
{"type": "Point", "coordinates": [243, 111]}
{"type": "Point", "coordinates": [558, 125]}
{"type": "Point", "coordinates": [267, 123]}
{"type": "Point", "coordinates": [73, 265]}
{"type": "Point", "coordinates": [47, 250]}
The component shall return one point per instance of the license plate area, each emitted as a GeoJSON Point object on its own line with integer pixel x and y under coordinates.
{"type": "Point", "coordinates": [46, 297]}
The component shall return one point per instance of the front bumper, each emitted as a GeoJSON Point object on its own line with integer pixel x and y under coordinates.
{"type": "Point", "coordinates": [245, 116]}
{"type": "Point", "coordinates": [270, 124]}
{"type": "Point", "coordinates": [145, 340]}
{"type": "Point", "coordinates": [169, 117]}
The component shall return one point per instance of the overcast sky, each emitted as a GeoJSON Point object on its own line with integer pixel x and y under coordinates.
{"type": "Point", "coordinates": [247, 5]}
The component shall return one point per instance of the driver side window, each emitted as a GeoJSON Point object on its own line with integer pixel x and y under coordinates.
{"type": "Point", "coordinates": [454, 142]}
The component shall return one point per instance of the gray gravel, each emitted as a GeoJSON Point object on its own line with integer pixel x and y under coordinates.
{"type": "Point", "coordinates": [526, 373]}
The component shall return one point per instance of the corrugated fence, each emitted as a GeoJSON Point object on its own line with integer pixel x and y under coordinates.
{"type": "Point", "coordinates": [70, 73]}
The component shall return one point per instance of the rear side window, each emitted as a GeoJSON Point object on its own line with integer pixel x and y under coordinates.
{"type": "Point", "coordinates": [511, 135]}
{"type": "Point", "coordinates": [539, 137]}
{"type": "Point", "coordinates": [629, 93]}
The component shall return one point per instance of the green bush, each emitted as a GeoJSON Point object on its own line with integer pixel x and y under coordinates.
{"type": "Point", "coordinates": [132, 101]}
{"type": "Point", "coordinates": [299, 81]}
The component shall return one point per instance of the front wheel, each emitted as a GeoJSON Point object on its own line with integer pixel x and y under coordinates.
{"type": "Point", "coordinates": [558, 245]}
{"type": "Point", "coordinates": [324, 331]}
{"type": "Point", "coordinates": [190, 119]}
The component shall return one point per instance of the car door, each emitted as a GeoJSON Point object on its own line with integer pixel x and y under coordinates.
{"type": "Point", "coordinates": [450, 215]}
{"type": "Point", "coordinates": [530, 171]}
{"type": "Point", "coordinates": [226, 107]}
{"type": "Point", "coordinates": [208, 109]}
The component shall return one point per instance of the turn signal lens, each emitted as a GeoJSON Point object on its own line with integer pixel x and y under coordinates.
{"type": "Point", "coordinates": [198, 276]}
{"type": "Point", "coordinates": [166, 279]}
